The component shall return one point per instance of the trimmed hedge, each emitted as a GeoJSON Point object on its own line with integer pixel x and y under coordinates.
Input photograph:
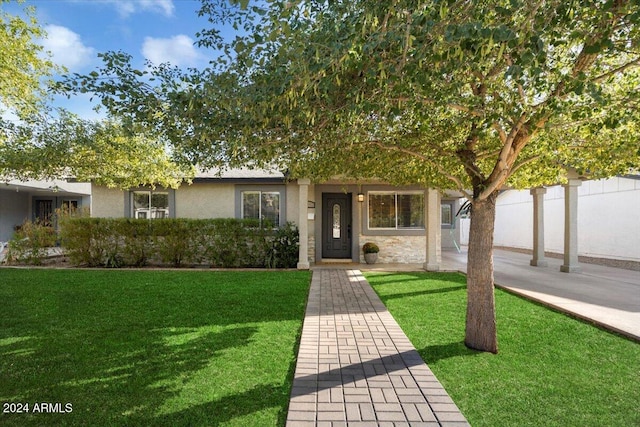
{"type": "Point", "coordinates": [178, 242]}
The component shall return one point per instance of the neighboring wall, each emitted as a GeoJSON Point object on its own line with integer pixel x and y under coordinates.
{"type": "Point", "coordinates": [608, 219]}
{"type": "Point", "coordinates": [14, 210]}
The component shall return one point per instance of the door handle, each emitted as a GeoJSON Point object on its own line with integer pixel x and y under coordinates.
{"type": "Point", "coordinates": [349, 231]}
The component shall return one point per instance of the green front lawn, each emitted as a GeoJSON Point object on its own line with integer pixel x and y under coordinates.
{"type": "Point", "coordinates": [551, 370]}
{"type": "Point", "coordinates": [149, 347]}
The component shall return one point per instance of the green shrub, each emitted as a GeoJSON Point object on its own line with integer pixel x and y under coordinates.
{"type": "Point", "coordinates": [236, 243]}
{"type": "Point", "coordinates": [225, 243]}
{"type": "Point", "coordinates": [171, 241]}
{"type": "Point", "coordinates": [370, 248]}
{"type": "Point", "coordinates": [136, 242]}
{"type": "Point", "coordinates": [285, 247]}
{"type": "Point", "coordinates": [30, 242]}
{"type": "Point", "coordinates": [89, 241]}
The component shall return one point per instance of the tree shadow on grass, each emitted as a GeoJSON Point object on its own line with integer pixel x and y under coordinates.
{"type": "Point", "coordinates": [434, 353]}
{"type": "Point", "coordinates": [383, 279]}
{"type": "Point", "coordinates": [108, 384]}
{"type": "Point", "coordinates": [424, 292]}
{"type": "Point", "coordinates": [122, 354]}
{"type": "Point", "coordinates": [222, 410]}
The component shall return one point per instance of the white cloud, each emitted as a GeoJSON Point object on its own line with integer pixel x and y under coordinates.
{"type": "Point", "coordinates": [129, 7]}
{"type": "Point", "coordinates": [67, 47]}
{"type": "Point", "coordinates": [177, 50]}
{"type": "Point", "coordinates": [8, 114]}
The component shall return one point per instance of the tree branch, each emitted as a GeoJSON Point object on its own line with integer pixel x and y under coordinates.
{"type": "Point", "coordinates": [407, 40]}
{"type": "Point", "coordinates": [617, 70]}
{"type": "Point", "coordinates": [515, 168]}
{"type": "Point", "coordinates": [439, 167]}
{"type": "Point", "coordinates": [506, 159]}
{"type": "Point", "coordinates": [487, 154]}
{"type": "Point", "coordinates": [521, 92]}
{"type": "Point", "coordinates": [501, 133]}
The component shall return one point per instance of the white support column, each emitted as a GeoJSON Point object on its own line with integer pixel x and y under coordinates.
{"type": "Point", "coordinates": [571, 264]}
{"type": "Point", "coordinates": [433, 230]}
{"type": "Point", "coordinates": [538, 227]}
{"type": "Point", "coordinates": [303, 224]}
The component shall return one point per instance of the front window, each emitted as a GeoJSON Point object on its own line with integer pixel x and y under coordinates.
{"type": "Point", "coordinates": [69, 206]}
{"type": "Point", "coordinates": [261, 205]}
{"type": "Point", "coordinates": [396, 210]}
{"type": "Point", "coordinates": [150, 204]}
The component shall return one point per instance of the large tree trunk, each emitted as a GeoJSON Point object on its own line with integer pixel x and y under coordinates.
{"type": "Point", "coordinates": [481, 331]}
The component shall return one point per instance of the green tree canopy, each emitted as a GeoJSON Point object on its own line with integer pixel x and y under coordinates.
{"type": "Point", "coordinates": [23, 64]}
{"type": "Point", "coordinates": [451, 94]}
{"type": "Point", "coordinates": [104, 152]}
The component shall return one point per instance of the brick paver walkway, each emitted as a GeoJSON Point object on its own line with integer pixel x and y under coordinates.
{"type": "Point", "coordinates": [357, 368]}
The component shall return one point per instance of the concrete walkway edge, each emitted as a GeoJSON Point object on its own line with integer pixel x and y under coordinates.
{"type": "Point", "coordinates": [607, 297]}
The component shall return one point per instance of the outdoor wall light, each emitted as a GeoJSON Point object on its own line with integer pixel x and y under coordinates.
{"type": "Point", "coordinates": [360, 197]}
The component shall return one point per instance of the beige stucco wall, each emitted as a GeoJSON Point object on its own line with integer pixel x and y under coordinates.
{"type": "Point", "coordinates": [311, 223]}
{"type": "Point", "coordinates": [199, 200]}
{"type": "Point", "coordinates": [106, 202]}
{"type": "Point", "coordinates": [205, 200]}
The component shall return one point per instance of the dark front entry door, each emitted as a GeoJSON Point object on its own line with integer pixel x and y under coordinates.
{"type": "Point", "coordinates": [336, 225]}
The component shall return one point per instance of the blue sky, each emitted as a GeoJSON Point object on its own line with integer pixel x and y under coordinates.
{"type": "Point", "coordinates": [155, 30]}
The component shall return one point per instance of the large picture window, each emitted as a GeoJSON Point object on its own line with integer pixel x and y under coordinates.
{"type": "Point", "coordinates": [150, 204]}
{"type": "Point", "coordinates": [396, 210]}
{"type": "Point", "coordinates": [261, 205]}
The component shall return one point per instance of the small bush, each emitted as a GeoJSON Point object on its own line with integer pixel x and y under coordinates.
{"type": "Point", "coordinates": [30, 242]}
{"type": "Point", "coordinates": [370, 248]}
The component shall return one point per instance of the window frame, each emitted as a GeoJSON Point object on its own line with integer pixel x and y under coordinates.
{"type": "Point", "coordinates": [260, 194]}
{"type": "Point", "coordinates": [70, 209]}
{"type": "Point", "coordinates": [130, 209]}
{"type": "Point", "coordinates": [397, 229]}
{"type": "Point", "coordinates": [280, 190]}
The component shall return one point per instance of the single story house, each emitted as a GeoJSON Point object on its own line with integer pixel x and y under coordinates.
{"type": "Point", "coordinates": [33, 200]}
{"type": "Point", "coordinates": [410, 224]}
